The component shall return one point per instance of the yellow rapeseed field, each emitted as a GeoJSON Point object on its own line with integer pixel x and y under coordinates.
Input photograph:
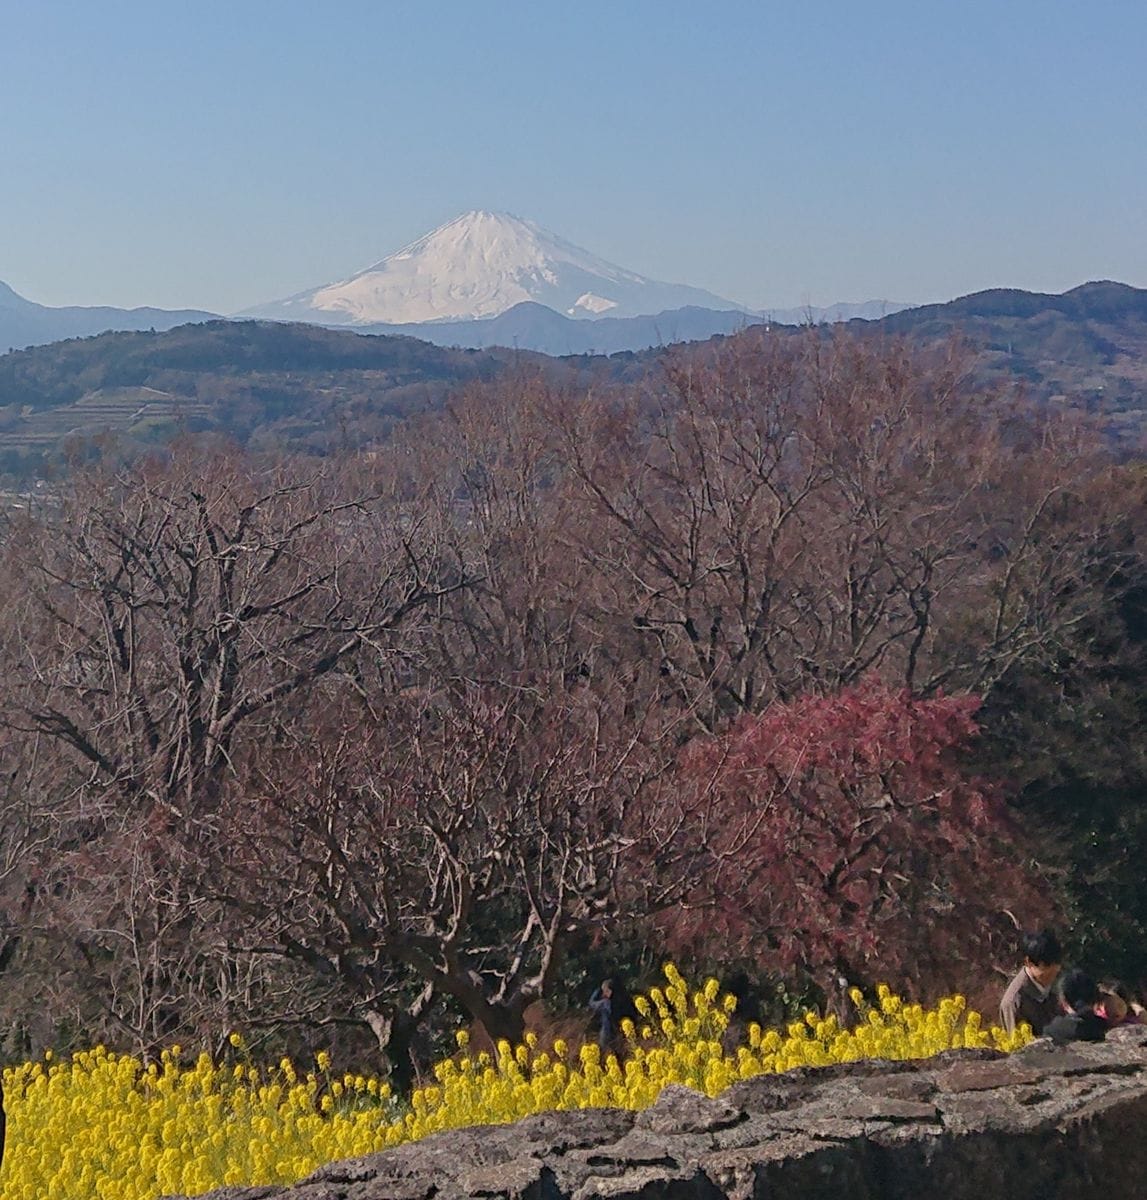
{"type": "Point", "coordinates": [106, 1126]}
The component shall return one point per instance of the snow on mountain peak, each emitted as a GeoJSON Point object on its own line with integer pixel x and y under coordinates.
{"type": "Point", "coordinates": [592, 304]}
{"type": "Point", "coordinates": [479, 265]}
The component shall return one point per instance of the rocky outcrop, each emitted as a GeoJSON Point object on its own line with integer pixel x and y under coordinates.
{"type": "Point", "coordinates": [1047, 1123]}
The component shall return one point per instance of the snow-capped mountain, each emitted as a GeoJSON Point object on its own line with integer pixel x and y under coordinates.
{"type": "Point", "coordinates": [480, 265]}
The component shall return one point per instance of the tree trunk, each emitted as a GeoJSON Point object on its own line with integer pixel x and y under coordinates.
{"type": "Point", "coordinates": [395, 1033]}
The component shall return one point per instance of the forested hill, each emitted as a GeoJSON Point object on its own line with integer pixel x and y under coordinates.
{"type": "Point", "coordinates": [1103, 300]}
{"type": "Point", "coordinates": [1086, 347]}
{"type": "Point", "coordinates": [302, 387]}
{"type": "Point", "coordinates": [298, 386]}
{"type": "Point", "coordinates": [63, 372]}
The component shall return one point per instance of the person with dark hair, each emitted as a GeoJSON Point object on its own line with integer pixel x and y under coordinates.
{"type": "Point", "coordinates": [612, 1004]}
{"type": "Point", "coordinates": [1029, 996]}
{"type": "Point", "coordinates": [1117, 1005]}
{"type": "Point", "coordinates": [1079, 1022]}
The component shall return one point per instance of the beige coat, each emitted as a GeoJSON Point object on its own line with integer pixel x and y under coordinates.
{"type": "Point", "coordinates": [1022, 1002]}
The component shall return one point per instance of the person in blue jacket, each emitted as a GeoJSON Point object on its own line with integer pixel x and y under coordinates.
{"type": "Point", "coordinates": [612, 1004]}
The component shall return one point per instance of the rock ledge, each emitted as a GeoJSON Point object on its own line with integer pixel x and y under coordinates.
{"type": "Point", "coordinates": [1047, 1123]}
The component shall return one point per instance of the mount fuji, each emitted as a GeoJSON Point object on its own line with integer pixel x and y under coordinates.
{"type": "Point", "coordinates": [480, 265]}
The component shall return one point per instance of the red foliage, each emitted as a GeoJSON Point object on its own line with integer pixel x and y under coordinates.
{"type": "Point", "coordinates": [846, 840]}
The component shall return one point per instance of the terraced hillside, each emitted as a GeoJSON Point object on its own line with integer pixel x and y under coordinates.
{"type": "Point", "coordinates": [297, 386]}
{"type": "Point", "coordinates": [304, 388]}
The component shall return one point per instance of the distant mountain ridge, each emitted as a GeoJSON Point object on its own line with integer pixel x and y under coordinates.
{"type": "Point", "coordinates": [24, 323]}
{"type": "Point", "coordinates": [533, 326]}
{"type": "Point", "coordinates": [483, 279]}
{"type": "Point", "coordinates": [536, 327]}
{"type": "Point", "coordinates": [1098, 300]}
{"type": "Point", "coordinates": [1086, 347]}
{"type": "Point", "coordinates": [305, 388]}
{"type": "Point", "coordinates": [832, 314]}
{"type": "Point", "coordinates": [480, 265]}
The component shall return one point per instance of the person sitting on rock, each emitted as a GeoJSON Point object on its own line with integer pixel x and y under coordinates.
{"type": "Point", "coordinates": [1029, 996]}
{"type": "Point", "coordinates": [1117, 1005]}
{"type": "Point", "coordinates": [1079, 1022]}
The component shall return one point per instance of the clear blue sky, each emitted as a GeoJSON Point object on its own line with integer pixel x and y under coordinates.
{"type": "Point", "coordinates": [219, 154]}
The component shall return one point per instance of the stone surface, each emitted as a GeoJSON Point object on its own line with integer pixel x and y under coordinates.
{"type": "Point", "coordinates": [682, 1110]}
{"type": "Point", "coordinates": [1048, 1123]}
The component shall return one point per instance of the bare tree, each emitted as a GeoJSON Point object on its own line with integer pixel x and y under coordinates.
{"type": "Point", "coordinates": [457, 850]}
{"type": "Point", "coordinates": [28, 837]}
{"type": "Point", "coordinates": [288, 745]}
{"type": "Point", "coordinates": [791, 513]}
{"type": "Point", "coordinates": [160, 622]}
{"type": "Point", "coordinates": [490, 466]}
{"type": "Point", "coordinates": [165, 613]}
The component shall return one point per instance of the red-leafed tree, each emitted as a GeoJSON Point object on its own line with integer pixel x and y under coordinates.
{"type": "Point", "coordinates": [853, 845]}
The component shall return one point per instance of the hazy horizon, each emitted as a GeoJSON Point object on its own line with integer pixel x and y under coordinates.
{"type": "Point", "coordinates": [223, 156]}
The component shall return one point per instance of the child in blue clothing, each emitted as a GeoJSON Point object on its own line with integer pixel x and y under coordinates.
{"type": "Point", "coordinates": [612, 1004]}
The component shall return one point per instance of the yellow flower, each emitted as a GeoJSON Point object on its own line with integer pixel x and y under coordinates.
{"type": "Point", "coordinates": [102, 1126]}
